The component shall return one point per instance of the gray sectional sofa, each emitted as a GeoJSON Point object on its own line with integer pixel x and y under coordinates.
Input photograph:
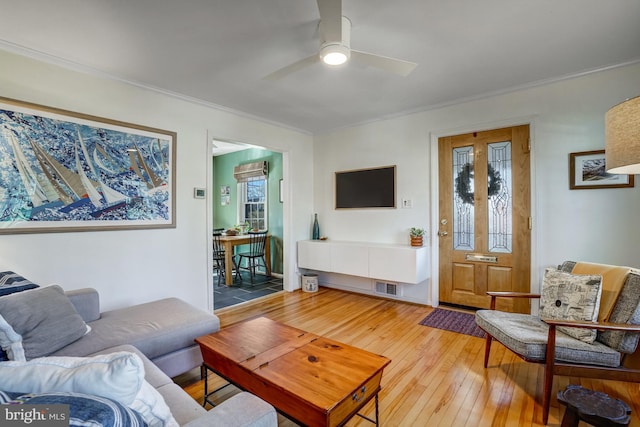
{"type": "Point", "coordinates": [163, 330]}
{"type": "Point", "coordinates": [161, 333]}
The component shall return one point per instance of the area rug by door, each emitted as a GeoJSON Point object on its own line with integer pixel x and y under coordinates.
{"type": "Point", "coordinates": [454, 321]}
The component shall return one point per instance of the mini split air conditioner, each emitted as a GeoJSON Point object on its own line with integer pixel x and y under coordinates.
{"type": "Point", "coordinates": [247, 171]}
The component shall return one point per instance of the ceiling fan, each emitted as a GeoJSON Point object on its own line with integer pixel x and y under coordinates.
{"type": "Point", "coordinates": [335, 46]}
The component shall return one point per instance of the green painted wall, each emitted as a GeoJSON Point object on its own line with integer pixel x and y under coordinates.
{"type": "Point", "coordinates": [226, 216]}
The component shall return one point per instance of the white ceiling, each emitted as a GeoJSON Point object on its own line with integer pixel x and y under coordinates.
{"type": "Point", "coordinates": [218, 51]}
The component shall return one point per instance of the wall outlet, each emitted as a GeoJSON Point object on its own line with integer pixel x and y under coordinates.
{"type": "Point", "coordinates": [407, 203]}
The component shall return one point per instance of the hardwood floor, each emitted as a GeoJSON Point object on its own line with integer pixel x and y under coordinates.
{"type": "Point", "coordinates": [436, 378]}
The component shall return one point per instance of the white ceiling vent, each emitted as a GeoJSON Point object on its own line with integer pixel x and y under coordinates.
{"type": "Point", "coordinates": [385, 288]}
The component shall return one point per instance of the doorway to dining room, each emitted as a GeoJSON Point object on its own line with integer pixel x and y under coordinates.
{"type": "Point", "coordinates": [246, 190]}
{"type": "Point", "coordinates": [243, 291]}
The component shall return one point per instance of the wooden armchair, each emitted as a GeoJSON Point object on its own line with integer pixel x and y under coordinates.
{"type": "Point", "coordinates": [614, 355]}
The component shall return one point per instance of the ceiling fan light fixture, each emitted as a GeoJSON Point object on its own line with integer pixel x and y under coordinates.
{"type": "Point", "coordinates": [334, 53]}
{"type": "Point", "coordinates": [335, 47]}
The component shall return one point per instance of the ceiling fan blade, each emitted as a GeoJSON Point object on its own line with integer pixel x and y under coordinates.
{"type": "Point", "coordinates": [330, 20]}
{"type": "Point", "coordinates": [292, 68]}
{"type": "Point", "coordinates": [397, 66]}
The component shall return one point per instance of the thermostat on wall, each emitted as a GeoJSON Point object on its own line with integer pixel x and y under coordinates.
{"type": "Point", "coordinates": [198, 193]}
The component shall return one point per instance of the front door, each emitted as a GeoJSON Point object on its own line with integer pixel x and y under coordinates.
{"type": "Point", "coordinates": [484, 217]}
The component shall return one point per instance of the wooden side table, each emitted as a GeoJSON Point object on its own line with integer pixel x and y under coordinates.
{"type": "Point", "coordinates": [593, 407]}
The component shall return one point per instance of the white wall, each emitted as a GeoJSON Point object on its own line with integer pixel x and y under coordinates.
{"type": "Point", "coordinates": [567, 116]}
{"type": "Point", "coordinates": [135, 266]}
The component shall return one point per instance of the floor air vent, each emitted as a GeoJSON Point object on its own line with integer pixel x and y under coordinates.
{"type": "Point", "coordinates": [387, 288]}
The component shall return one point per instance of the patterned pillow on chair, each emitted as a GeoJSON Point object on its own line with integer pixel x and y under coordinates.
{"type": "Point", "coordinates": [567, 296]}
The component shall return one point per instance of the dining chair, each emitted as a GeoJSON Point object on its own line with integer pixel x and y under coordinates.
{"type": "Point", "coordinates": [257, 243]}
{"type": "Point", "coordinates": [219, 258]}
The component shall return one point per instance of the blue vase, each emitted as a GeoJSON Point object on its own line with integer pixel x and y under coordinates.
{"type": "Point", "coordinates": [316, 228]}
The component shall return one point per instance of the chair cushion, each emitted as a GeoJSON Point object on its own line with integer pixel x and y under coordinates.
{"type": "Point", "coordinates": [613, 277]}
{"type": "Point", "coordinates": [527, 336]}
{"type": "Point", "coordinates": [626, 310]}
{"type": "Point", "coordinates": [567, 296]}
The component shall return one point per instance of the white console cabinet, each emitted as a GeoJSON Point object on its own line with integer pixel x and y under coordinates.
{"type": "Point", "coordinates": [396, 263]}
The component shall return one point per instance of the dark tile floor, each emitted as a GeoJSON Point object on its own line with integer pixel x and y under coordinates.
{"type": "Point", "coordinates": [224, 296]}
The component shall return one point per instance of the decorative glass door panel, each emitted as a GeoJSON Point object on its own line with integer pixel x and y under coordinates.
{"type": "Point", "coordinates": [463, 212]}
{"type": "Point", "coordinates": [499, 213]}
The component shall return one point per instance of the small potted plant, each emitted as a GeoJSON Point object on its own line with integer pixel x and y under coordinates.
{"type": "Point", "coordinates": [416, 235]}
{"type": "Point", "coordinates": [242, 228]}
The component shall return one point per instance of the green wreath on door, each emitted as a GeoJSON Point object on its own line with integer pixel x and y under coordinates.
{"type": "Point", "coordinates": [463, 183]}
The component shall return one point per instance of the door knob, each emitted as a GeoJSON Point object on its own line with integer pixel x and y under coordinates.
{"type": "Point", "coordinates": [442, 233]}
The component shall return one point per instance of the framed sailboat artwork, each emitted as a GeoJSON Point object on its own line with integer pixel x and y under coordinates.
{"type": "Point", "coordinates": [65, 171]}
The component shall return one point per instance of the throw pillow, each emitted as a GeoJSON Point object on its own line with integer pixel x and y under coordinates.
{"type": "Point", "coordinates": [45, 320]}
{"type": "Point", "coordinates": [10, 341]}
{"type": "Point", "coordinates": [84, 410]}
{"type": "Point", "coordinates": [567, 296]}
{"type": "Point", "coordinates": [11, 282]}
{"type": "Point", "coordinates": [118, 376]}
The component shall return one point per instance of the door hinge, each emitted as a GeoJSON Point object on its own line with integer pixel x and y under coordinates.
{"type": "Point", "coordinates": [530, 223]}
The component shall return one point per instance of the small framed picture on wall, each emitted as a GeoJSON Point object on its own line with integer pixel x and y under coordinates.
{"type": "Point", "coordinates": [587, 170]}
{"type": "Point", "coordinates": [225, 195]}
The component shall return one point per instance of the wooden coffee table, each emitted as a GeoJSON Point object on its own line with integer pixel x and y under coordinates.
{"type": "Point", "coordinates": [313, 380]}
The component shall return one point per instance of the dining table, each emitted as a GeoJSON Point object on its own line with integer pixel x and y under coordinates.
{"type": "Point", "coordinates": [230, 242]}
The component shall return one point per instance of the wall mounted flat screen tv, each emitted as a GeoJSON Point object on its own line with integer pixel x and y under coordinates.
{"type": "Point", "coordinates": [366, 188]}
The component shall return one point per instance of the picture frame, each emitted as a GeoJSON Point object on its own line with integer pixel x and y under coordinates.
{"type": "Point", "coordinates": [225, 195]}
{"type": "Point", "coordinates": [66, 171]}
{"type": "Point", "coordinates": [587, 170]}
